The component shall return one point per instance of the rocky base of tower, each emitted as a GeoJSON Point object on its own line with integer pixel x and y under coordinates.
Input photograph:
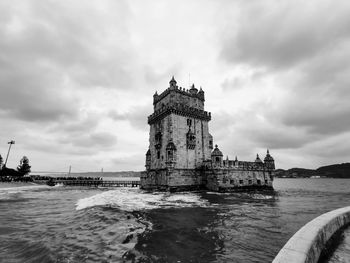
{"type": "Point", "coordinates": [173, 180]}
{"type": "Point", "coordinates": [218, 180]}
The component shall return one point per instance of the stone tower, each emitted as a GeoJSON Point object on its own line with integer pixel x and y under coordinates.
{"type": "Point", "coordinates": [181, 155]}
{"type": "Point", "coordinates": [179, 139]}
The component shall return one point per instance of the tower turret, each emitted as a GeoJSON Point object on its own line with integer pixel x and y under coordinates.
{"type": "Point", "coordinates": [148, 159]}
{"type": "Point", "coordinates": [201, 94]}
{"type": "Point", "coordinates": [269, 161]}
{"type": "Point", "coordinates": [193, 90]}
{"type": "Point", "coordinates": [216, 156]}
{"type": "Point", "coordinates": [258, 160]}
{"type": "Point", "coordinates": [172, 83]}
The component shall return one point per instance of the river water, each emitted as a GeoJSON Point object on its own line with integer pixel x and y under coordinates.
{"type": "Point", "coordinates": [65, 224]}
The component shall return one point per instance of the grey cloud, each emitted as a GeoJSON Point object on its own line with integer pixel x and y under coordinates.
{"type": "Point", "coordinates": [45, 53]}
{"type": "Point", "coordinates": [83, 124]}
{"type": "Point", "coordinates": [137, 116]}
{"type": "Point", "coordinates": [153, 75]}
{"type": "Point", "coordinates": [32, 96]}
{"type": "Point", "coordinates": [97, 141]}
{"type": "Point", "coordinates": [270, 133]}
{"type": "Point", "coordinates": [319, 117]}
{"type": "Point", "coordinates": [306, 52]}
{"type": "Point", "coordinates": [281, 35]}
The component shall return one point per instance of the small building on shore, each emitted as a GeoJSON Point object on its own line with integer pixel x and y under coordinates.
{"type": "Point", "coordinates": [182, 156]}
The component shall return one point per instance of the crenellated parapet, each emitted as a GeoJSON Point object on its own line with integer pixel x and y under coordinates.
{"type": "Point", "coordinates": [179, 109]}
{"type": "Point", "coordinates": [218, 162]}
{"type": "Point", "coordinates": [192, 92]}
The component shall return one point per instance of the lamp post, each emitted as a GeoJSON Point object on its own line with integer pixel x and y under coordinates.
{"type": "Point", "coordinates": [10, 143]}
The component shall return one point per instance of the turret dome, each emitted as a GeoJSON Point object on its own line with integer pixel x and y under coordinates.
{"type": "Point", "coordinates": [172, 82]}
{"type": "Point", "coordinates": [216, 151]}
{"type": "Point", "coordinates": [258, 160]}
{"type": "Point", "coordinates": [268, 157]}
{"type": "Point", "coordinates": [193, 89]}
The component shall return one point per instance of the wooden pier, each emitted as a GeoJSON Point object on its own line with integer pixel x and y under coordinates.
{"type": "Point", "coordinates": [90, 183]}
{"type": "Point", "coordinates": [101, 183]}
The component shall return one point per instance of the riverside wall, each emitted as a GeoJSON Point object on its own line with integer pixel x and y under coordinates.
{"type": "Point", "coordinates": [308, 243]}
{"type": "Point", "coordinates": [171, 179]}
{"type": "Point", "coordinates": [222, 180]}
{"type": "Point", "coordinates": [233, 179]}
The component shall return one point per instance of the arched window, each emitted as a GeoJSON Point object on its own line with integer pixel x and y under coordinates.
{"type": "Point", "coordinates": [170, 152]}
{"type": "Point", "coordinates": [191, 140]}
{"type": "Point", "coordinates": [158, 140]}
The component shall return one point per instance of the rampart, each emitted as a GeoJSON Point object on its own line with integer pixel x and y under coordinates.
{"type": "Point", "coordinates": [181, 110]}
{"type": "Point", "coordinates": [308, 243]}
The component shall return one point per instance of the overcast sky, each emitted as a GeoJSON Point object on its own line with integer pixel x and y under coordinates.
{"type": "Point", "coordinates": [77, 78]}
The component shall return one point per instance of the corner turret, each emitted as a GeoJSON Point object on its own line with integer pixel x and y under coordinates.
{"type": "Point", "coordinates": [200, 94]}
{"type": "Point", "coordinates": [258, 160]}
{"type": "Point", "coordinates": [269, 161]}
{"type": "Point", "coordinates": [216, 156]}
{"type": "Point", "coordinates": [193, 90]}
{"type": "Point", "coordinates": [148, 159]}
{"type": "Point", "coordinates": [172, 83]}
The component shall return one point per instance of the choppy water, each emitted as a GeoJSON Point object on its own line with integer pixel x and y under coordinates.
{"type": "Point", "coordinates": [62, 224]}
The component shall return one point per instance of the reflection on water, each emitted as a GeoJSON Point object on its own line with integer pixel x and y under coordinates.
{"type": "Point", "coordinates": [65, 224]}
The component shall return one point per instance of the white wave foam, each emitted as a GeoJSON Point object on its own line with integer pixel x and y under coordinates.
{"type": "Point", "coordinates": [17, 189]}
{"type": "Point", "coordinates": [9, 192]}
{"type": "Point", "coordinates": [135, 199]}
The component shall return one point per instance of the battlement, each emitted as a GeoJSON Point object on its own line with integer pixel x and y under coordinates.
{"type": "Point", "coordinates": [199, 95]}
{"type": "Point", "coordinates": [243, 165]}
{"type": "Point", "coordinates": [179, 109]}
{"type": "Point", "coordinates": [173, 88]}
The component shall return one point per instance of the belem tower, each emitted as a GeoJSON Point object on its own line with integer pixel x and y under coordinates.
{"type": "Point", "coordinates": [181, 155]}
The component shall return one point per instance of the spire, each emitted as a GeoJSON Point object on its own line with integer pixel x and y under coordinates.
{"type": "Point", "coordinates": [268, 157]}
{"type": "Point", "coordinates": [201, 94]}
{"type": "Point", "coordinates": [258, 160]}
{"type": "Point", "coordinates": [172, 82]}
{"type": "Point", "coordinates": [216, 151]}
{"type": "Point", "coordinates": [193, 90]}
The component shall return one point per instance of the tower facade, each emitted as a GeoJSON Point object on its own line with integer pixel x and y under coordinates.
{"type": "Point", "coordinates": [179, 139]}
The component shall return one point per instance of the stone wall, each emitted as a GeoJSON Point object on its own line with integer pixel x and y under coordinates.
{"type": "Point", "coordinates": [174, 128]}
{"type": "Point", "coordinates": [222, 179]}
{"type": "Point", "coordinates": [308, 243]}
{"type": "Point", "coordinates": [190, 158]}
{"type": "Point", "coordinates": [170, 96]}
{"type": "Point", "coordinates": [171, 179]}
{"type": "Point", "coordinates": [210, 179]}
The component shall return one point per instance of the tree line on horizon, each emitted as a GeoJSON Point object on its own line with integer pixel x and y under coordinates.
{"type": "Point", "coordinates": [22, 169]}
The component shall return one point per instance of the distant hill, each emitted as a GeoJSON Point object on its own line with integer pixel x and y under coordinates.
{"type": "Point", "coordinates": [329, 171]}
{"type": "Point", "coordinates": [108, 174]}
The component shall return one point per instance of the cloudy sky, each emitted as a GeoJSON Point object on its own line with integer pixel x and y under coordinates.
{"type": "Point", "coordinates": [77, 78]}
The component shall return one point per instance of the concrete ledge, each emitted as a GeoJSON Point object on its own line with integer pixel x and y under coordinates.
{"type": "Point", "coordinates": [307, 244]}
